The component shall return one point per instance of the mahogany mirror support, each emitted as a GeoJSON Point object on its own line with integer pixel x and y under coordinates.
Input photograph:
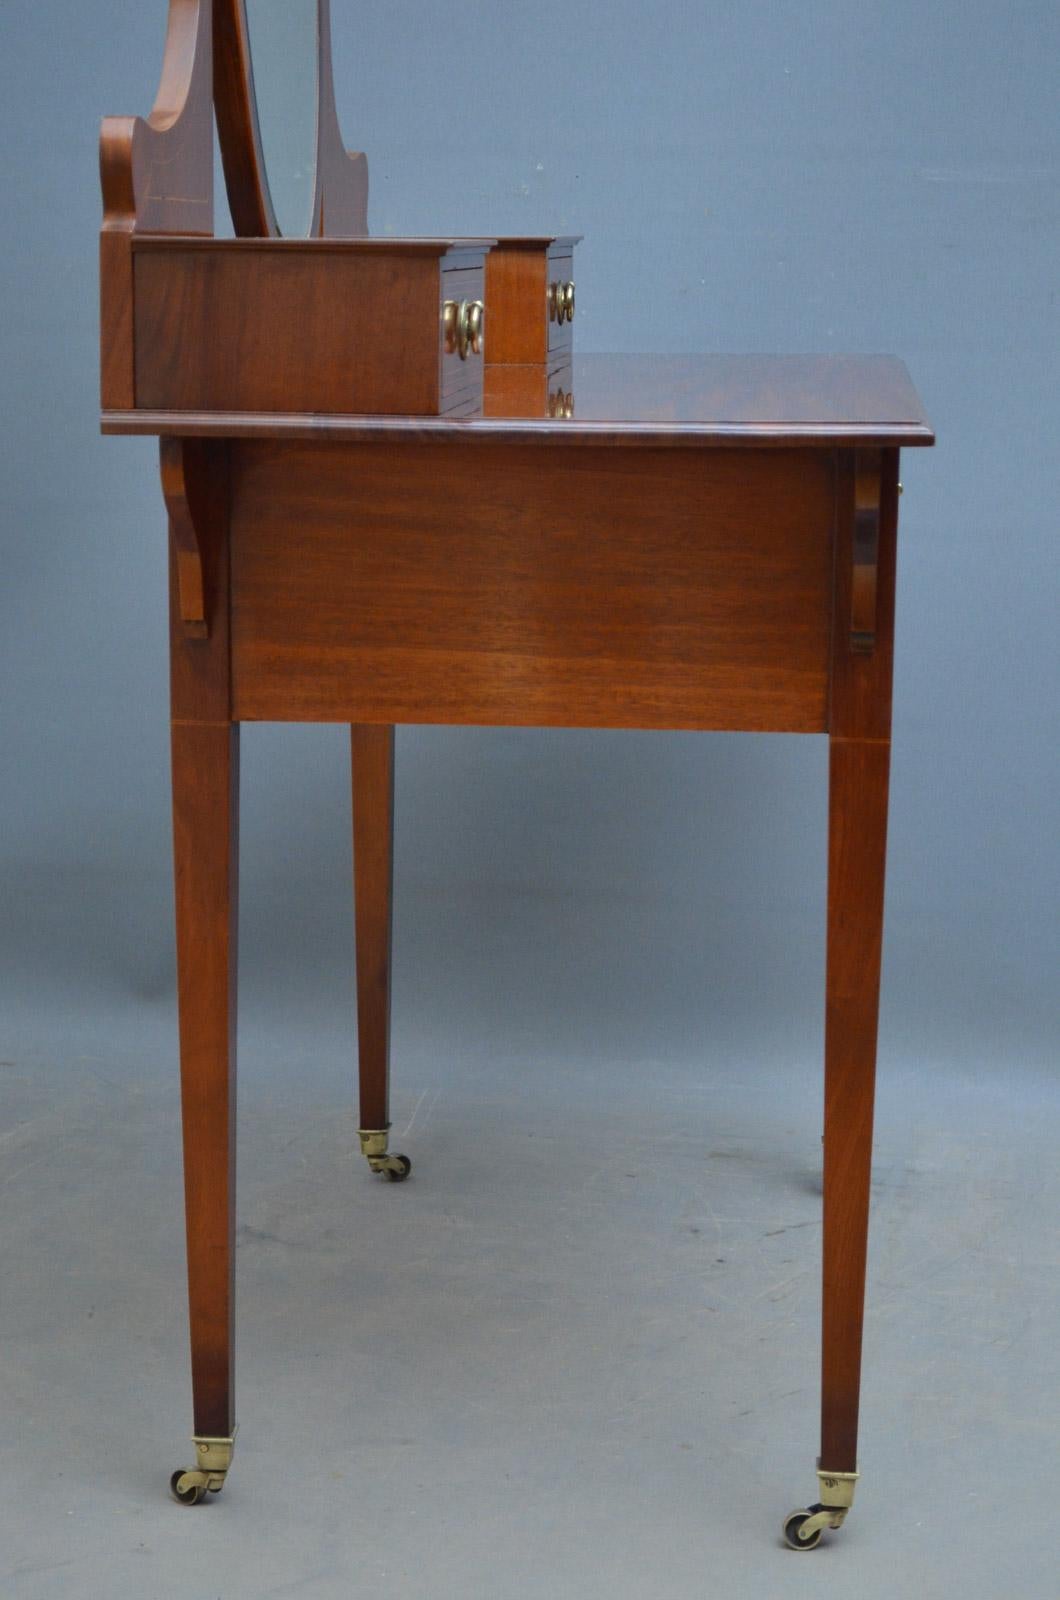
{"type": "Point", "coordinates": [340, 206]}
{"type": "Point", "coordinates": [237, 124]}
{"type": "Point", "coordinates": [157, 177]}
{"type": "Point", "coordinates": [157, 171]}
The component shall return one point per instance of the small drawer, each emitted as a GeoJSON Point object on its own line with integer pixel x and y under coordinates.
{"type": "Point", "coordinates": [530, 300]}
{"type": "Point", "coordinates": [462, 335]}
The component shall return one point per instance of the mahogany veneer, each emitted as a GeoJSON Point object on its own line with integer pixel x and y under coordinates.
{"type": "Point", "coordinates": [324, 325]}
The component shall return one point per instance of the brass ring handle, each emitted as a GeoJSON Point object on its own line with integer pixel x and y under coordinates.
{"type": "Point", "coordinates": [451, 325]}
{"type": "Point", "coordinates": [463, 327]}
{"type": "Point", "coordinates": [475, 326]}
{"type": "Point", "coordinates": [561, 302]}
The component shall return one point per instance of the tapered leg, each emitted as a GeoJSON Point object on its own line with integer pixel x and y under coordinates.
{"type": "Point", "coordinates": [372, 751]}
{"type": "Point", "coordinates": [205, 755]}
{"type": "Point", "coordinates": [205, 834]}
{"type": "Point", "coordinates": [858, 773]}
{"type": "Point", "coordinates": [859, 762]}
{"type": "Point", "coordinates": [857, 840]}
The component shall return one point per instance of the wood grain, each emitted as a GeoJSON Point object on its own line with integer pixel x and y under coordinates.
{"type": "Point", "coordinates": [205, 854]}
{"type": "Point", "coordinates": [666, 590]}
{"type": "Point", "coordinates": [156, 174]}
{"type": "Point", "coordinates": [527, 391]}
{"type": "Point", "coordinates": [157, 171]}
{"type": "Point", "coordinates": [257, 325]}
{"type": "Point", "coordinates": [372, 752]}
{"type": "Point", "coordinates": [857, 842]}
{"type": "Point", "coordinates": [515, 304]}
{"type": "Point", "coordinates": [518, 273]}
{"type": "Point", "coordinates": [860, 699]}
{"type": "Point", "coordinates": [624, 402]}
{"type": "Point", "coordinates": [859, 763]}
{"type": "Point", "coordinates": [205, 778]}
{"type": "Point", "coordinates": [199, 667]}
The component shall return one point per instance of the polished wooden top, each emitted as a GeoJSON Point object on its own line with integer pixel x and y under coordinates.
{"type": "Point", "coordinates": [436, 245]}
{"type": "Point", "coordinates": [706, 400]}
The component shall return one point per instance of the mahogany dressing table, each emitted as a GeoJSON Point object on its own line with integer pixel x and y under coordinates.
{"type": "Point", "coordinates": [377, 532]}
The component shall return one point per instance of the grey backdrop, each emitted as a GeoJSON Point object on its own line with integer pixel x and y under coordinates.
{"type": "Point", "coordinates": [828, 175]}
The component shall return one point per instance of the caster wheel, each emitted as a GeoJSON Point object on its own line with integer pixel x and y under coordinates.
{"type": "Point", "coordinates": [189, 1496]}
{"type": "Point", "coordinates": [792, 1526]}
{"type": "Point", "coordinates": [398, 1169]}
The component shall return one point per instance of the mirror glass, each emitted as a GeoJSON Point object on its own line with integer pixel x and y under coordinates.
{"type": "Point", "coordinates": [284, 52]}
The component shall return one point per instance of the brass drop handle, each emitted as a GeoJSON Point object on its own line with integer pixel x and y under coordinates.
{"type": "Point", "coordinates": [463, 324]}
{"type": "Point", "coordinates": [475, 325]}
{"type": "Point", "coordinates": [561, 302]}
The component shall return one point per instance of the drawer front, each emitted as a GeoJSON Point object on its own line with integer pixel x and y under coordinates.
{"type": "Point", "coordinates": [461, 350]}
{"type": "Point", "coordinates": [559, 299]}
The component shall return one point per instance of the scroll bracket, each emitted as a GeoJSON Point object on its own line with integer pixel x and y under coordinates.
{"type": "Point", "coordinates": [868, 479]}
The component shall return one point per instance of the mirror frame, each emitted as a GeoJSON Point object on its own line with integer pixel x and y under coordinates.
{"type": "Point", "coordinates": [340, 202]}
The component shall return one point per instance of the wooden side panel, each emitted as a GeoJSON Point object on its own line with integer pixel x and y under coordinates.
{"type": "Point", "coordinates": [551, 587]}
{"type": "Point", "coordinates": [286, 330]}
{"type": "Point", "coordinates": [156, 174]}
{"type": "Point", "coordinates": [117, 383]}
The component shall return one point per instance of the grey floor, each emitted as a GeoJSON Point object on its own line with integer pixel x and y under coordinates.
{"type": "Point", "coordinates": [576, 1355]}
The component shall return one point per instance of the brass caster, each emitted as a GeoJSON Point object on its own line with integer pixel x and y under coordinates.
{"type": "Point", "coordinates": [395, 1168]}
{"type": "Point", "coordinates": [803, 1528]}
{"type": "Point", "coordinates": [214, 1458]}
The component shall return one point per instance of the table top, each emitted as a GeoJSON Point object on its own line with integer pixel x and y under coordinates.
{"type": "Point", "coordinates": [691, 400]}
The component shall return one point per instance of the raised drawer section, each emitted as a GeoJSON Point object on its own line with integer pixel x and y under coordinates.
{"type": "Point", "coordinates": [340, 326]}
{"type": "Point", "coordinates": [530, 298]}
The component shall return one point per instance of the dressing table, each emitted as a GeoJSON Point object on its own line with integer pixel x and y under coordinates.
{"type": "Point", "coordinates": [416, 531]}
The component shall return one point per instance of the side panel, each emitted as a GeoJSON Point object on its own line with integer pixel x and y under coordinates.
{"type": "Point", "coordinates": [663, 589]}
{"type": "Point", "coordinates": [286, 330]}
